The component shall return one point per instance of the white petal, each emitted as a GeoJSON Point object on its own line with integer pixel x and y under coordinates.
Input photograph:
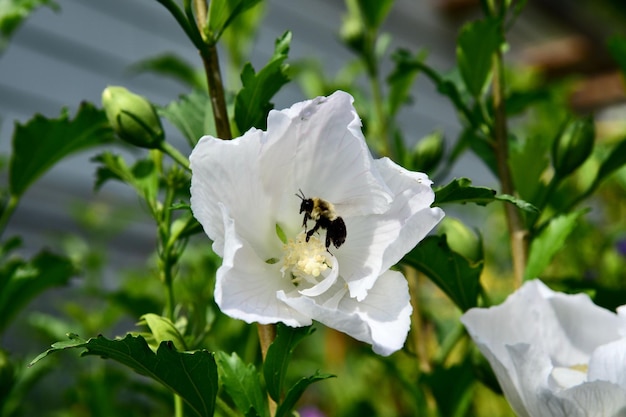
{"type": "Point", "coordinates": [382, 319]}
{"type": "Point", "coordinates": [592, 399]}
{"type": "Point", "coordinates": [246, 286]}
{"type": "Point", "coordinates": [325, 284]}
{"type": "Point", "coordinates": [317, 146]}
{"type": "Point", "coordinates": [222, 172]}
{"type": "Point", "coordinates": [393, 233]}
{"type": "Point", "coordinates": [608, 363]}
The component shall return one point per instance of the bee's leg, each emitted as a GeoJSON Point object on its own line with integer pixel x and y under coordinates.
{"type": "Point", "coordinates": [310, 232]}
{"type": "Point", "coordinates": [327, 241]}
{"type": "Point", "coordinates": [306, 219]}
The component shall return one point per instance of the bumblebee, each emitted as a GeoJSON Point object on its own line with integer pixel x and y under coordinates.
{"type": "Point", "coordinates": [325, 217]}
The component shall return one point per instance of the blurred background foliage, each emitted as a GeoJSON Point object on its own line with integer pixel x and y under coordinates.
{"type": "Point", "coordinates": [558, 166]}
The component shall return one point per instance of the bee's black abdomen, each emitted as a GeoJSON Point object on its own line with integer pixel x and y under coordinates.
{"type": "Point", "coordinates": [336, 233]}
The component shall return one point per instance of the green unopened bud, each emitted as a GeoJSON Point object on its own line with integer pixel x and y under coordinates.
{"type": "Point", "coordinates": [461, 239]}
{"type": "Point", "coordinates": [428, 152]}
{"type": "Point", "coordinates": [573, 146]}
{"type": "Point", "coordinates": [132, 117]}
{"type": "Point", "coordinates": [352, 31]}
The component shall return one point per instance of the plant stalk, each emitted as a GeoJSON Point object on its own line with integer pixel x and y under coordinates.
{"type": "Point", "coordinates": [267, 334]}
{"type": "Point", "coordinates": [216, 91]}
{"type": "Point", "coordinates": [518, 234]}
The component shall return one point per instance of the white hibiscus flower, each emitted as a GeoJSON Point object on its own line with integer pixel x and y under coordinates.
{"type": "Point", "coordinates": [244, 192]}
{"type": "Point", "coordinates": [555, 355]}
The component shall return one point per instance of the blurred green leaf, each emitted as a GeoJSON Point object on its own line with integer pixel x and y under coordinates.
{"type": "Point", "coordinates": [461, 190]}
{"type": "Point", "coordinates": [243, 384]}
{"type": "Point", "coordinates": [549, 241]}
{"type": "Point", "coordinates": [456, 275]}
{"type": "Point", "coordinates": [615, 160]}
{"type": "Point", "coordinates": [172, 66]}
{"type": "Point", "coordinates": [142, 176]}
{"type": "Point", "coordinates": [296, 391]}
{"type": "Point", "coordinates": [528, 159]}
{"type": "Point", "coordinates": [452, 399]}
{"type": "Point", "coordinates": [476, 44]}
{"type": "Point", "coordinates": [22, 281]}
{"type": "Point", "coordinates": [401, 79]}
{"type": "Point", "coordinates": [193, 376]}
{"type": "Point", "coordinates": [162, 330]}
{"type": "Point", "coordinates": [223, 12]}
{"type": "Point", "coordinates": [374, 12]}
{"type": "Point", "coordinates": [252, 103]}
{"type": "Point", "coordinates": [42, 142]}
{"type": "Point", "coordinates": [617, 48]}
{"type": "Point", "coordinates": [14, 12]}
{"type": "Point", "coordinates": [192, 115]}
{"type": "Point", "coordinates": [278, 356]}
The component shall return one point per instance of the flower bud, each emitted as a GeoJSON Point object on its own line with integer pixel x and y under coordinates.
{"type": "Point", "coordinates": [428, 152]}
{"type": "Point", "coordinates": [132, 117]}
{"type": "Point", "coordinates": [461, 239]}
{"type": "Point", "coordinates": [573, 145]}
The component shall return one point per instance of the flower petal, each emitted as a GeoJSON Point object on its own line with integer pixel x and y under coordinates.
{"type": "Point", "coordinates": [382, 319]}
{"type": "Point", "coordinates": [246, 286]}
{"type": "Point", "coordinates": [317, 146]}
{"type": "Point", "coordinates": [220, 176]}
{"type": "Point", "coordinates": [608, 363]}
{"type": "Point", "coordinates": [393, 233]}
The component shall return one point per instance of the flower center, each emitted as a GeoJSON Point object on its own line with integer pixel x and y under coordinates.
{"type": "Point", "coordinates": [304, 260]}
{"type": "Point", "coordinates": [309, 264]}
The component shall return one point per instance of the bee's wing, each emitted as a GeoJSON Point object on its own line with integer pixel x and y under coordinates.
{"type": "Point", "coordinates": [356, 206]}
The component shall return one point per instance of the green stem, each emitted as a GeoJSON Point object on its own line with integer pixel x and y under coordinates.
{"type": "Point", "coordinates": [175, 155]}
{"type": "Point", "coordinates": [216, 91]}
{"type": "Point", "coordinates": [179, 408]}
{"type": "Point", "coordinates": [8, 212]}
{"type": "Point", "coordinates": [380, 115]}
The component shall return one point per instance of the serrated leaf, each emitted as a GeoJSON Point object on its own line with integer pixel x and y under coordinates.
{"type": "Point", "coordinates": [192, 115]}
{"type": "Point", "coordinates": [461, 190]}
{"type": "Point", "coordinates": [252, 103]}
{"type": "Point", "coordinates": [162, 330]}
{"type": "Point", "coordinates": [278, 356]}
{"type": "Point", "coordinates": [296, 391]}
{"type": "Point", "coordinates": [476, 44]}
{"type": "Point", "coordinates": [172, 66]}
{"type": "Point", "coordinates": [549, 241]}
{"type": "Point", "coordinates": [21, 281]}
{"type": "Point", "coordinates": [42, 142]}
{"type": "Point", "coordinates": [223, 12]}
{"type": "Point", "coordinates": [528, 160]}
{"type": "Point", "coordinates": [457, 276]}
{"type": "Point", "coordinates": [193, 376]}
{"type": "Point", "coordinates": [521, 204]}
{"type": "Point", "coordinates": [14, 12]}
{"type": "Point", "coordinates": [243, 384]}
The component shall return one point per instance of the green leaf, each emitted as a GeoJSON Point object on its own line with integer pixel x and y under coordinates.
{"type": "Point", "coordinates": [243, 384]}
{"type": "Point", "coordinates": [172, 66]}
{"type": "Point", "coordinates": [252, 103]}
{"type": "Point", "coordinates": [549, 242]}
{"type": "Point", "coordinates": [296, 391]}
{"type": "Point", "coordinates": [22, 281]}
{"type": "Point", "coordinates": [162, 330]}
{"type": "Point", "coordinates": [456, 275]}
{"type": "Point", "coordinates": [452, 399]}
{"type": "Point", "coordinates": [521, 204]}
{"type": "Point", "coordinates": [615, 160]}
{"type": "Point", "coordinates": [192, 115]}
{"type": "Point", "coordinates": [374, 12]}
{"type": "Point", "coordinates": [193, 376]}
{"type": "Point", "coordinates": [42, 142]}
{"type": "Point", "coordinates": [460, 190]}
{"type": "Point", "coordinates": [142, 176]}
{"type": "Point", "coordinates": [223, 12]}
{"type": "Point", "coordinates": [401, 79]}
{"type": "Point", "coordinates": [476, 44]}
{"type": "Point", "coordinates": [14, 12]}
{"type": "Point", "coordinates": [278, 356]}
{"type": "Point", "coordinates": [529, 159]}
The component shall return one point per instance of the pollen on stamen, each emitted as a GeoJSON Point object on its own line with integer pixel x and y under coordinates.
{"type": "Point", "coordinates": [305, 260]}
